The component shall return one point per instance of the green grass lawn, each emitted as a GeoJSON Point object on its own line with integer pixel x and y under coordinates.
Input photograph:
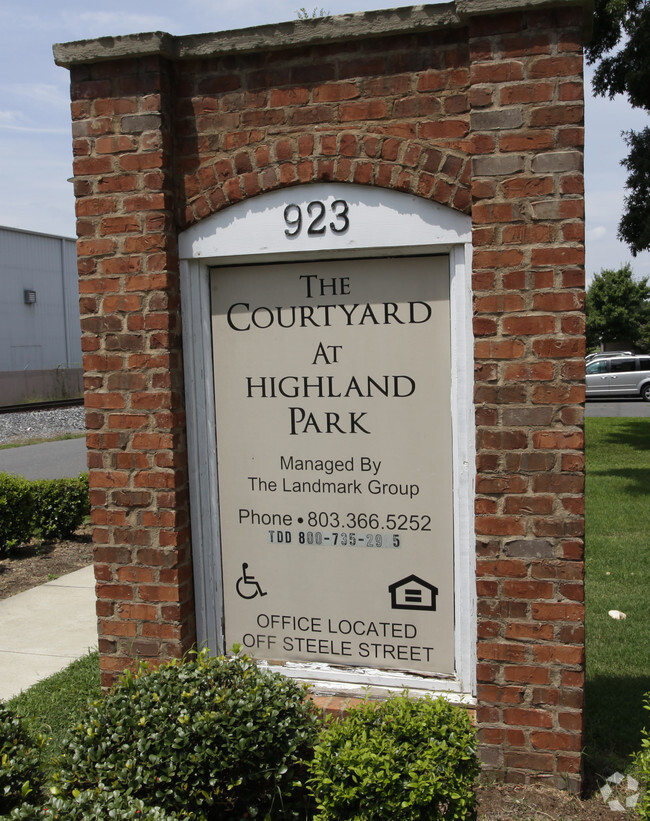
{"type": "Point", "coordinates": [53, 705]}
{"type": "Point", "coordinates": [617, 578]}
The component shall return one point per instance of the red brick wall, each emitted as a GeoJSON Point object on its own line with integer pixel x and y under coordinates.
{"type": "Point", "coordinates": [485, 118]}
{"type": "Point", "coordinates": [389, 112]}
{"type": "Point", "coordinates": [132, 359]}
{"type": "Point", "coordinates": [528, 209]}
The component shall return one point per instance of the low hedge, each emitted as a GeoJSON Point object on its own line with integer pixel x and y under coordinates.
{"type": "Point", "coordinates": [209, 738]}
{"type": "Point", "coordinates": [221, 739]}
{"type": "Point", "coordinates": [19, 762]}
{"type": "Point", "coordinates": [47, 508]}
{"type": "Point", "coordinates": [60, 506]}
{"type": "Point", "coordinates": [16, 511]}
{"type": "Point", "coordinates": [406, 759]}
{"type": "Point", "coordinates": [92, 804]}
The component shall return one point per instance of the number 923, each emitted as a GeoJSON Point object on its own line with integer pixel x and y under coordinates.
{"type": "Point", "coordinates": [316, 218]}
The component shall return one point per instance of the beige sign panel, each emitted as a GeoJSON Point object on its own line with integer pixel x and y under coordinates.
{"type": "Point", "coordinates": [332, 386]}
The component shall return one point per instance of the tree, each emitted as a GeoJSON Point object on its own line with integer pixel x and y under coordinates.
{"type": "Point", "coordinates": [618, 309]}
{"type": "Point", "coordinates": [621, 47]}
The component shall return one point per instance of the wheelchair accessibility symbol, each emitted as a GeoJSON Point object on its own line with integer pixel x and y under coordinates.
{"type": "Point", "coordinates": [246, 585]}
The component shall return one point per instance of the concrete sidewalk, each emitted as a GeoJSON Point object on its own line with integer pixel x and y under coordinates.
{"type": "Point", "coordinates": [44, 629]}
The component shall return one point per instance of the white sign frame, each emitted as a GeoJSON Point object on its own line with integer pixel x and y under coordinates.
{"type": "Point", "coordinates": [255, 231]}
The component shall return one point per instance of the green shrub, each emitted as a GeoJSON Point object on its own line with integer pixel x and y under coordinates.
{"type": "Point", "coordinates": [60, 506]}
{"type": "Point", "coordinates": [16, 509]}
{"type": "Point", "coordinates": [406, 759]}
{"type": "Point", "coordinates": [93, 804]}
{"type": "Point", "coordinates": [19, 761]}
{"type": "Point", "coordinates": [209, 738]}
{"type": "Point", "coordinates": [50, 508]}
{"type": "Point", "coordinates": [643, 764]}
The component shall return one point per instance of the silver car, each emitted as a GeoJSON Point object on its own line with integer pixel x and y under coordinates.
{"type": "Point", "coordinates": [603, 354]}
{"type": "Point", "coordinates": [619, 376]}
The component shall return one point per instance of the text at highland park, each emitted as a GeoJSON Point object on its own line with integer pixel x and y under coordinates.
{"type": "Point", "coordinates": [332, 390]}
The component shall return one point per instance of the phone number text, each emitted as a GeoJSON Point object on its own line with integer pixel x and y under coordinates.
{"type": "Point", "coordinates": [333, 539]}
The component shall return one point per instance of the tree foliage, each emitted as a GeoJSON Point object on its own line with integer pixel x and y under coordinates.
{"type": "Point", "coordinates": [618, 309]}
{"type": "Point", "coordinates": [634, 227]}
{"type": "Point", "coordinates": [620, 46]}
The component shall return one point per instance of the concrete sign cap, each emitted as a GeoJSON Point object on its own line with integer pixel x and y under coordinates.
{"type": "Point", "coordinates": [337, 28]}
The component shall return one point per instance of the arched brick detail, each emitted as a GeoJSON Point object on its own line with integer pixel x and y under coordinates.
{"type": "Point", "coordinates": [390, 112]}
{"type": "Point", "coordinates": [399, 164]}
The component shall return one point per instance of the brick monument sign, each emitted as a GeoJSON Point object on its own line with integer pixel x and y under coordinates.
{"type": "Point", "coordinates": [331, 276]}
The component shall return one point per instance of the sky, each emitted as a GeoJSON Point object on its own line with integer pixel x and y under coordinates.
{"type": "Point", "coordinates": [35, 142]}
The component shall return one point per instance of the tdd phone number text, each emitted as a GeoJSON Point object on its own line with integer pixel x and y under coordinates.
{"type": "Point", "coordinates": [327, 539]}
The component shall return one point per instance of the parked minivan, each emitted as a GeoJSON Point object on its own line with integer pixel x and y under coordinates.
{"type": "Point", "coordinates": [619, 376]}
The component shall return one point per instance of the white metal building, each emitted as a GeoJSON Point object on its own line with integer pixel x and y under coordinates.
{"type": "Point", "coordinates": [40, 336]}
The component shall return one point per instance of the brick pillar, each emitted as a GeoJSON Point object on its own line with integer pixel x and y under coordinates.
{"type": "Point", "coordinates": [131, 342]}
{"type": "Point", "coordinates": [472, 97]}
{"type": "Point", "coordinates": [528, 276]}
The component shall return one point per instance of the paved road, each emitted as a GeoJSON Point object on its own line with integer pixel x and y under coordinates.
{"type": "Point", "coordinates": [617, 407]}
{"type": "Point", "coordinates": [49, 460]}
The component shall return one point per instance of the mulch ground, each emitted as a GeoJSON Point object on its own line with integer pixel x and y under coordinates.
{"type": "Point", "coordinates": [35, 564]}
{"type": "Point", "coordinates": [512, 803]}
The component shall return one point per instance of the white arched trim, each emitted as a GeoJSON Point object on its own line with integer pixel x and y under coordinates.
{"type": "Point", "coordinates": [381, 223]}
